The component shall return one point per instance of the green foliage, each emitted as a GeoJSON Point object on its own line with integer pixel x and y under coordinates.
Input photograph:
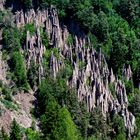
{"type": "Point", "coordinates": [66, 128]}
{"type": "Point", "coordinates": [82, 65]}
{"type": "Point", "coordinates": [120, 137]}
{"type": "Point", "coordinates": [15, 133]}
{"type": "Point", "coordinates": [67, 71]}
{"type": "Point", "coordinates": [119, 128]}
{"type": "Point", "coordinates": [109, 29]}
{"type": "Point", "coordinates": [92, 138]}
{"type": "Point", "coordinates": [27, 27]}
{"type": "Point", "coordinates": [49, 118]}
{"type": "Point", "coordinates": [47, 56]}
{"type": "Point", "coordinates": [18, 67]}
{"type": "Point", "coordinates": [12, 45]}
{"type": "Point", "coordinates": [19, 4]}
{"type": "Point", "coordinates": [60, 4]}
{"type": "Point", "coordinates": [102, 5]}
{"type": "Point", "coordinates": [129, 87]}
{"type": "Point", "coordinates": [112, 25]}
{"type": "Point", "coordinates": [119, 50]}
{"type": "Point", "coordinates": [83, 13]}
{"type": "Point", "coordinates": [44, 3]}
{"type": "Point", "coordinates": [56, 52]}
{"type": "Point", "coordinates": [33, 127]}
{"type": "Point", "coordinates": [70, 40]}
{"type": "Point", "coordinates": [93, 39]}
{"type": "Point", "coordinates": [6, 18]}
{"type": "Point", "coordinates": [44, 38]}
{"type": "Point", "coordinates": [54, 94]}
{"type": "Point", "coordinates": [31, 134]}
{"type": "Point", "coordinates": [78, 112]}
{"type": "Point", "coordinates": [98, 125]}
{"type": "Point", "coordinates": [88, 81]}
{"type": "Point", "coordinates": [11, 39]}
{"type": "Point", "coordinates": [8, 104]}
{"type": "Point", "coordinates": [101, 27]}
{"type": "Point", "coordinates": [32, 74]}
{"type": "Point", "coordinates": [27, 4]}
{"type": "Point", "coordinates": [48, 88]}
{"type": "Point", "coordinates": [135, 105]}
{"type": "Point", "coordinates": [6, 92]}
{"type": "Point", "coordinates": [56, 123]}
{"type": "Point", "coordinates": [112, 89]}
{"type": "Point", "coordinates": [128, 9]}
{"type": "Point", "coordinates": [82, 119]}
{"type": "Point", "coordinates": [137, 131]}
{"type": "Point", "coordinates": [3, 135]}
{"type": "Point", "coordinates": [62, 7]}
{"type": "Point", "coordinates": [137, 73]}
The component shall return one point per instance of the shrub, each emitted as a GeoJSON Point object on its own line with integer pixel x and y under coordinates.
{"type": "Point", "coordinates": [18, 68]}
{"type": "Point", "coordinates": [70, 40]}
{"type": "Point", "coordinates": [112, 89]}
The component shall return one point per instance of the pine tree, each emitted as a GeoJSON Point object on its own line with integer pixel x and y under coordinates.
{"type": "Point", "coordinates": [65, 129]}
{"type": "Point", "coordinates": [27, 4]}
{"type": "Point", "coordinates": [15, 131]}
{"type": "Point", "coordinates": [49, 118]}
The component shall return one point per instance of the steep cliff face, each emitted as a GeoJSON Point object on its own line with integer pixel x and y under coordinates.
{"type": "Point", "coordinates": [91, 76]}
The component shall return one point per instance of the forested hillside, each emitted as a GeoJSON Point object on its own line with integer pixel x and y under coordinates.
{"type": "Point", "coordinates": [69, 69]}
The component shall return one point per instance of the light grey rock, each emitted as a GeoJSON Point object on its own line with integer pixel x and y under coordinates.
{"type": "Point", "coordinates": [2, 4]}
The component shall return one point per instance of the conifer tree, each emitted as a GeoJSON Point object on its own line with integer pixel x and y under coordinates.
{"type": "Point", "coordinates": [15, 131]}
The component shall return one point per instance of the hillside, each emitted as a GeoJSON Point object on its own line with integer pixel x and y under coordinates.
{"type": "Point", "coordinates": [70, 69]}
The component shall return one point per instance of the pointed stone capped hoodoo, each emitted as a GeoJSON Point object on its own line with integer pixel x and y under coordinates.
{"type": "Point", "coordinates": [127, 73]}
{"type": "Point", "coordinates": [91, 75]}
{"type": "Point", "coordinates": [2, 4]}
